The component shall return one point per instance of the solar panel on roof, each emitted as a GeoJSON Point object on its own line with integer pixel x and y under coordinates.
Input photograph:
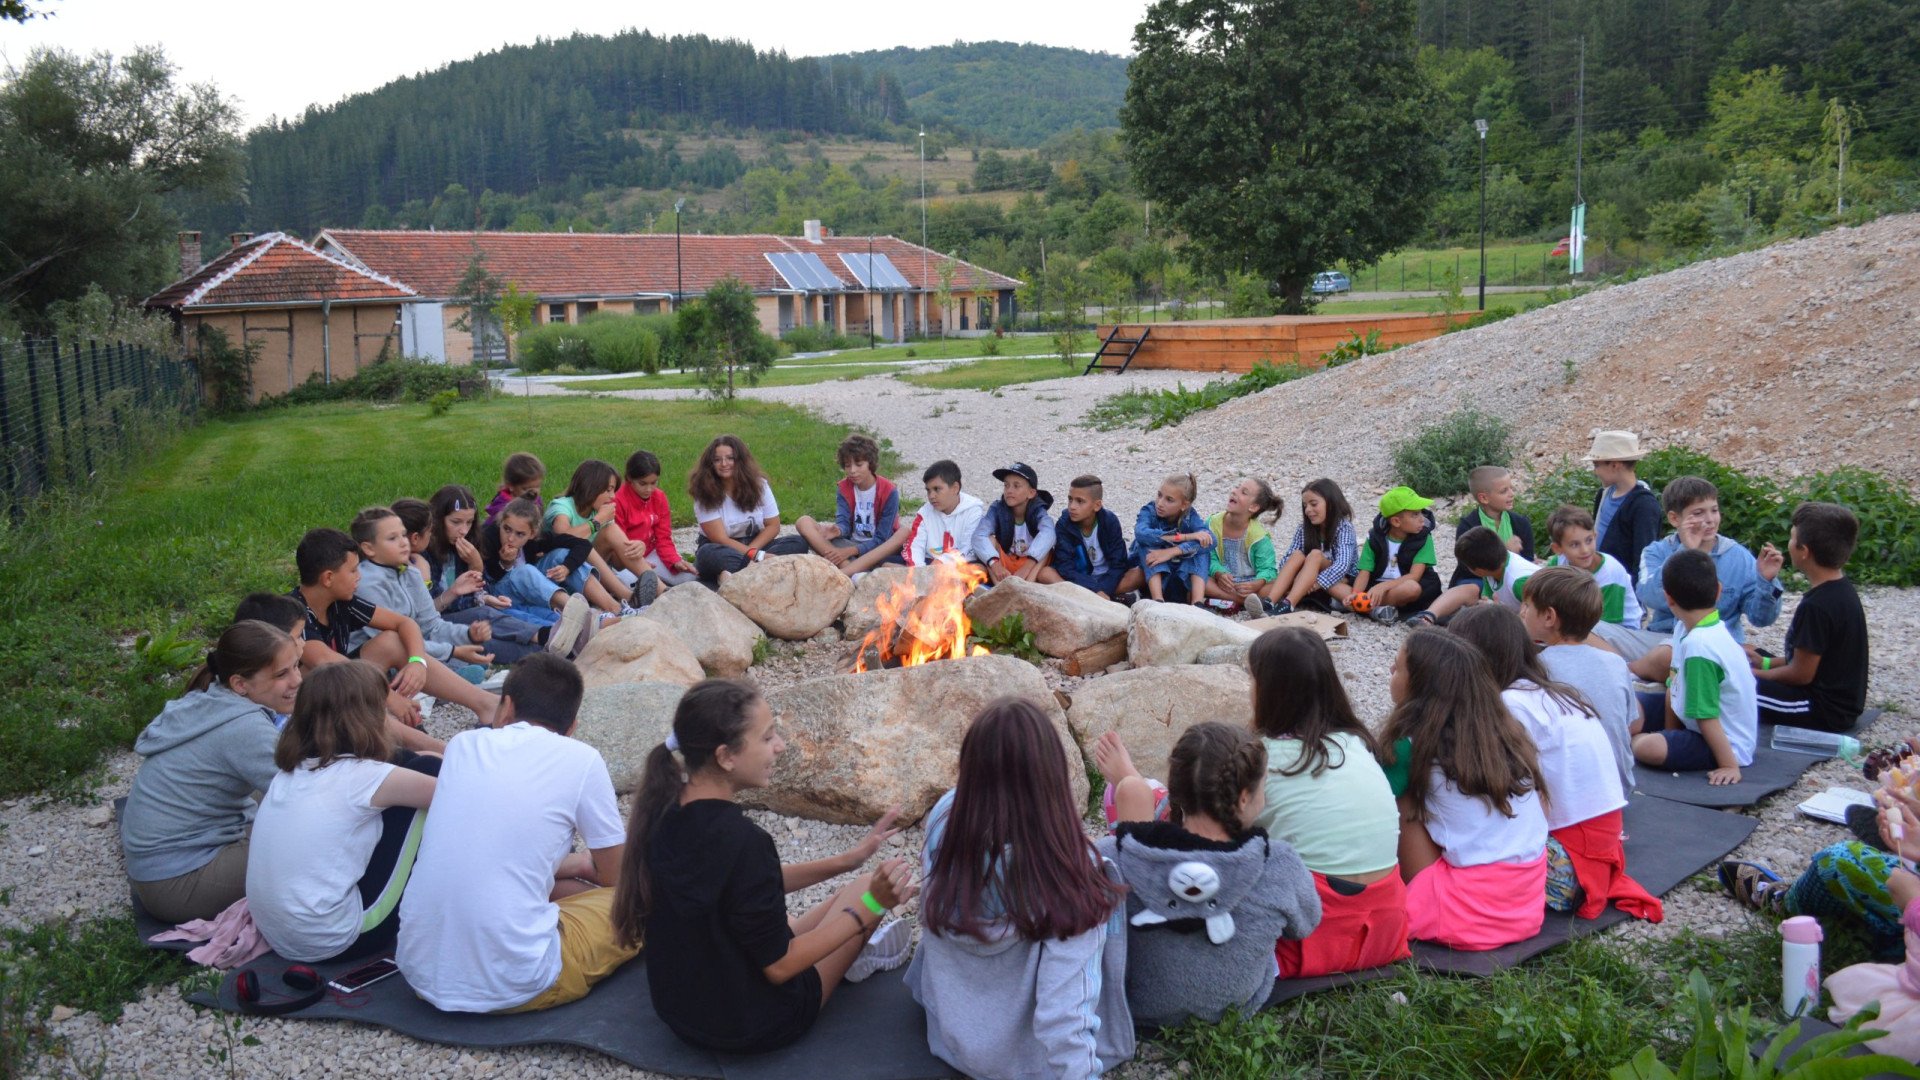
{"type": "Point", "coordinates": [804, 272]}
{"type": "Point", "coordinates": [885, 277]}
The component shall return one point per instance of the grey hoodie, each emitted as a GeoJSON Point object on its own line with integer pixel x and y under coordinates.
{"type": "Point", "coordinates": [403, 591]}
{"type": "Point", "coordinates": [1012, 1009]}
{"type": "Point", "coordinates": [206, 754]}
{"type": "Point", "coordinates": [1204, 916]}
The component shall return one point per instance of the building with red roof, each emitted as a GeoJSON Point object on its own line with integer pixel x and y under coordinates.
{"type": "Point", "coordinates": [310, 313]}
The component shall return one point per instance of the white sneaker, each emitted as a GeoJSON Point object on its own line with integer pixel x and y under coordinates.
{"type": "Point", "coordinates": [888, 948]}
{"type": "Point", "coordinates": [573, 621]}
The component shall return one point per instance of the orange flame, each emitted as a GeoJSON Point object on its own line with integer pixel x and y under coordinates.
{"type": "Point", "coordinates": [931, 627]}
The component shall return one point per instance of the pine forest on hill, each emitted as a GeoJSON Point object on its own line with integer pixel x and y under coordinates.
{"type": "Point", "coordinates": [1015, 95]}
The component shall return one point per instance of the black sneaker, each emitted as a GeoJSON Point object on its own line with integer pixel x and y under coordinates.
{"type": "Point", "coordinates": [646, 588]}
{"type": "Point", "coordinates": [1282, 606]}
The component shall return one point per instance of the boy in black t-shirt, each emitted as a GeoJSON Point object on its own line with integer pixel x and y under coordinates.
{"type": "Point", "coordinates": [1822, 682]}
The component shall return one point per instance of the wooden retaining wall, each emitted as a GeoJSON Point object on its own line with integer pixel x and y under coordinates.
{"type": "Point", "coordinates": [1235, 345]}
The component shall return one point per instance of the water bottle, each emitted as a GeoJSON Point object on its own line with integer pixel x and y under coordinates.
{"type": "Point", "coordinates": [1799, 964]}
{"type": "Point", "coordinates": [1821, 743]}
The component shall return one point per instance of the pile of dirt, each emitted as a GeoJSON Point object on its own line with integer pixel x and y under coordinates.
{"type": "Point", "coordinates": [1796, 358]}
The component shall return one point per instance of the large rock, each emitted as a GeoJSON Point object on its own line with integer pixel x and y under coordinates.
{"type": "Point", "coordinates": [792, 597]}
{"type": "Point", "coordinates": [858, 744]}
{"type": "Point", "coordinates": [625, 723]}
{"type": "Point", "coordinates": [1151, 707]}
{"type": "Point", "coordinates": [863, 608]}
{"type": "Point", "coordinates": [637, 650]}
{"type": "Point", "coordinates": [1064, 618]}
{"type": "Point", "coordinates": [717, 634]}
{"type": "Point", "coordinates": [1161, 634]}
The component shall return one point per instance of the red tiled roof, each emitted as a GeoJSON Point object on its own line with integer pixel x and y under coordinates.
{"type": "Point", "coordinates": [621, 264]}
{"type": "Point", "coordinates": [277, 269]}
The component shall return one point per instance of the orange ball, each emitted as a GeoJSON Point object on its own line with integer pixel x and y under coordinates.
{"type": "Point", "coordinates": [1360, 603]}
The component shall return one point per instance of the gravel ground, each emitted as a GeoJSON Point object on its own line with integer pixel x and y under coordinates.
{"type": "Point", "coordinates": [61, 860]}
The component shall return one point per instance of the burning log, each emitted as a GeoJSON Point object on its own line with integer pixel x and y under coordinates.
{"type": "Point", "coordinates": [916, 629]}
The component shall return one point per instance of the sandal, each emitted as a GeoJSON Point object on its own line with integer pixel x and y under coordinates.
{"type": "Point", "coordinates": [1750, 883]}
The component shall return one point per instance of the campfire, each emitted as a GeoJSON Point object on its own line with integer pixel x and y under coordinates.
{"type": "Point", "coordinates": [918, 629]}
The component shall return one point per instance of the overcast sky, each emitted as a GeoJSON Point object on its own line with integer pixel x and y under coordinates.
{"type": "Point", "coordinates": [276, 58]}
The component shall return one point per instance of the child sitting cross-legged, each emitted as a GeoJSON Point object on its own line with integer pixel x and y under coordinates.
{"type": "Point", "coordinates": [1397, 569]}
{"type": "Point", "coordinates": [738, 516]}
{"type": "Point", "coordinates": [1207, 891]}
{"type": "Point", "coordinates": [1473, 832]}
{"type": "Point", "coordinates": [1559, 611]}
{"type": "Point", "coordinates": [1750, 588]}
{"type": "Point", "coordinates": [389, 579]}
{"type": "Point", "coordinates": [1170, 543]}
{"type": "Point", "coordinates": [335, 837]}
{"type": "Point", "coordinates": [1711, 718]}
{"type": "Point", "coordinates": [1493, 494]}
{"type": "Point", "coordinates": [865, 531]}
{"type": "Point", "coordinates": [1015, 535]}
{"type": "Point", "coordinates": [1571, 530]}
{"type": "Point", "coordinates": [1493, 573]}
{"type": "Point", "coordinates": [1022, 965]}
{"type": "Point", "coordinates": [448, 558]}
{"type": "Point", "coordinates": [1586, 864]}
{"type": "Point", "coordinates": [703, 886]}
{"type": "Point", "coordinates": [1089, 549]}
{"type": "Point", "coordinates": [520, 478]}
{"type": "Point", "coordinates": [580, 515]}
{"type": "Point", "coordinates": [1318, 569]}
{"type": "Point", "coordinates": [1822, 681]}
{"type": "Point", "coordinates": [640, 539]}
{"type": "Point", "coordinates": [944, 527]}
{"type": "Point", "coordinates": [1327, 796]}
{"type": "Point", "coordinates": [1242, 562]}
{"type": "Point", "coordinates": [508, 549]}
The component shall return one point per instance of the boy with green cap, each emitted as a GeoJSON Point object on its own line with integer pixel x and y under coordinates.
{"type": "Point", "coordinates": [1398, 570]}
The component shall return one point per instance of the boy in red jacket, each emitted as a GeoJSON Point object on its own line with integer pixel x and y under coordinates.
{"type": "Point", "coordinates": [640, 540]}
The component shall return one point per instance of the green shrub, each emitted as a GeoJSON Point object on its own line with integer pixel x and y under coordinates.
{"type": "Point", "coordinates": [440, 403]}
{"type": "Point", "coordinates": [1154, 409]}
{"type": "Point", "coordinates": [1756, 510]}
{"type": "Point", "coordinates": [805, 339]}
{"type": "Point", "coordinates": [1010, 636]}
{"type": "Point", "coordinates": [391, 380]}
{"type": "Point", "coordinates": [621, 343]}
{"type": "Point", "coordinates": [1491, 315]}
{"type": "Point", "coordinates": [1354, 348]}
{"type": "Point", "coordinates": [665, 330]}
{"type": "Point", "coordinates": [1436, 461]}
{"type": "Point", "coordinates": [544, 348]}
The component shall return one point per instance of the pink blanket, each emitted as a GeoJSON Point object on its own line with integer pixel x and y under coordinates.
{"type": "Point", "coordinates": [1476, 908]}
{"type": "Point", "coordinates": [231, 939]}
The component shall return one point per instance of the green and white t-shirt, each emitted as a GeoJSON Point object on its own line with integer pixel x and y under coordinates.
{"type": "Point", "coordinates": [1711, 680]}
{"type": "Point", "coordinates": [1513, 582]}
{"type": "Point", "coordinates": [1392, 569]}
{"type": "Point", "coordinates": [1618, 604]}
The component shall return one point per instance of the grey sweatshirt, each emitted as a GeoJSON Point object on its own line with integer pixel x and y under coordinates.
{"type": "Point", "coordinates": [1603, 679]}
{"type": "Point", "coordinates": [1012, 1009]}
{"type": "Point", "coordinates": [206, 754]}
{"type": "Point", "coordinates": [403, 591]}
{"type": "Point", "coordinates": [1204, 915]}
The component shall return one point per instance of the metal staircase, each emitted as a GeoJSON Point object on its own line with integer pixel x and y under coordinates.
{"type": "Point", "coordinates": [1117, 347]}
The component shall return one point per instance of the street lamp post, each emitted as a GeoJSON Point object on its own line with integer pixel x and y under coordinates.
{"type": "Point", "coordinates": [1481, 127]}
{"type": "Point", "coordinates": [870, 340]}
{"type": "Point", "coordinates": [679, 283]}
{"type": "Point", "coordinates": [923, 233]}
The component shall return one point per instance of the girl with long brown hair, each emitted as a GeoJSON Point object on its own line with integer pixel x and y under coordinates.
{"type": "Point", "coordinates": [1022, 959]}
{"type": "Point", "coordinates": [1327, 796]}
{"type": "Point", "coordinates": [704, 887]}
{"type": "Point", "coordinates": [734, 506]}
{"type": "Point", "coordinates": [1473, 830]}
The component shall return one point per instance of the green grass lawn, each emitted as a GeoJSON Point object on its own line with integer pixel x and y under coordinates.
{"type": "Point", "coordinates": [1521, 301]}
{"type": "Point", "coordinates": [1000, 371]}
{"type": "Point", "coordinates": [960, 348]}
{"type": "Point", "coordinates": [785, 373]}
{"type": "Point", "coordinates": [217, 516]}
{"type": "Point", "coordinates": [1507, 264]}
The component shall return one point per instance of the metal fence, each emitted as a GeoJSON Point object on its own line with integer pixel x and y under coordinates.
{"type": "Point", "coordinates": [69, 410]}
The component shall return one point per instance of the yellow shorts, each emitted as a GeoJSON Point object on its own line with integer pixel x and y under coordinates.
{"type": "Point", "coordinates": [589, 950]}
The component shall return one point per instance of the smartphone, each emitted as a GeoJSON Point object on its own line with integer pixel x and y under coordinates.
{"type": "Point", "coordinates": [365, 975]}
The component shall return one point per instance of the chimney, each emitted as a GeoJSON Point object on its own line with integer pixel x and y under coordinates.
{"type": "Point", "coordinates": [189, 252]}
{"type": "Point", "coordinates": [235, 239]}
{"type": "Point", "coordinates": [812, 227]}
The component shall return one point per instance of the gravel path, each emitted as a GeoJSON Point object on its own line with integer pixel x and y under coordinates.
{"type": "Point", "coordinates": [59, 861]}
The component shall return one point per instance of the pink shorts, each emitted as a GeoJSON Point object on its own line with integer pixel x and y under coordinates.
{"type": "Point", "coordinates": [1476, 908]}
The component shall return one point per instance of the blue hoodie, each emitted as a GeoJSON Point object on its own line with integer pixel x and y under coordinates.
{"type": "Point", "coordinates": [1742, 591]}
{"type": "Point", "coordinates": [206, 754]}
{"type": "Point", "coordinates": [1070, 559]}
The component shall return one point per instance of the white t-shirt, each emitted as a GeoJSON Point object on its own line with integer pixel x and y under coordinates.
{"type": "Point", "coordinates": [1575, 756]}
{"type": "Point", "coordinates": [1513, 582]}
{"type": "Point", "coordinates": [862, 512]}
{"type": "Point", "coordinates": [1471, 832]}
{"type": "Point", "coordinates": [1096, 556]}
{"type": "Point", "coordinates": [1023, 536]}
{"type": "Point", "coordinates": [1392, 569]}
{"type": "Point", "coordinates": [477, 932]}
{"type": "Point", "coordinates": [312, 838]}
{"type": "Point", "coordinates": [740, 524]}
{"type": "Point", "coordinates": [1618, 604]}
{"type": "Point", "coordinates": [1711, 679]}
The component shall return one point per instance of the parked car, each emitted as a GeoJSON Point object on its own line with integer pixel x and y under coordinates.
{"type": "Point", "coordinates": [1331, 281]}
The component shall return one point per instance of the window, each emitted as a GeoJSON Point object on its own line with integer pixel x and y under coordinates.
{"type": "Point", "coordinates": [588, 307]}
{"type": "Point", "coordinates": [556, 313]}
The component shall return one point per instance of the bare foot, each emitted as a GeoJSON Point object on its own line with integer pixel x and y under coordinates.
{"type": "Point", "coordinates": [1110, 756]}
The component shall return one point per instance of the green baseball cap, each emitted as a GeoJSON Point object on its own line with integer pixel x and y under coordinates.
{"type": "Point", "coordinates": [1400, 499]}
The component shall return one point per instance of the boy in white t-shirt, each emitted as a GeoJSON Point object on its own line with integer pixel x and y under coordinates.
{"type": "Point", "coordinates": [1713, 719]}
{"type": "Point", "coordinates": [945, 526]}
{"type": "Point", "coordinates": [1501, 574]}
{"type": "Point", "coordinates": [500, 916]}
{"type": "Point", "coordinates": [865, 531]}
{"type": "Point", "coordinates": [1574, 545]}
